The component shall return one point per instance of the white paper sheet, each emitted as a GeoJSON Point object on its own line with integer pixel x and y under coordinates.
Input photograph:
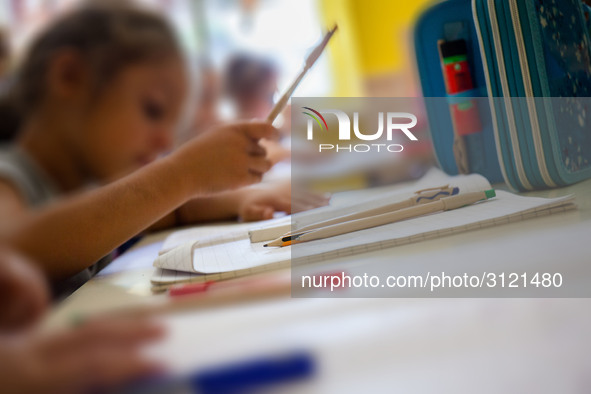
{"type": "Point", "coordinates": [231, 253]}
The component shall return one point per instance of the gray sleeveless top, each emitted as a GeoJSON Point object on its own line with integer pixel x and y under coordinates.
{"type": "Point", "coordinates": [29, 179]}
{"type": "Point", "coordinates": [35, 186]}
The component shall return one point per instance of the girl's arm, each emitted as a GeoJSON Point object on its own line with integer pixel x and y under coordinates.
{"type": "Point", "coordinates": [223, 206]}
{"type": "Point", "coordinates": [258, 202]}
{"type": "Point", "coordinates": [248, 204]}
{"type": "Point", "coordinates": [72, 234]}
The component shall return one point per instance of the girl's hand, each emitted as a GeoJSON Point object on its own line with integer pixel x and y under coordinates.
{"type": "Point", "coordinates": [225, 158]}
{"type": "Point", "coordinates": [261, 203]}
{"type": "Point", "coordinates": [97, 355]}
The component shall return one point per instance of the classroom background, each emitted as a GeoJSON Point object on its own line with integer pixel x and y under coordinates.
{"type": "Point", "coordinates": [370, 57]}
{"type": "Point", "coordinates": [357, 344]}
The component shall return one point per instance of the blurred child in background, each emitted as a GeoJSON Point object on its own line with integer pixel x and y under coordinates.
{"type": "Point", "coordinates": [101, 93]}
{"type": "Point", "coordinates": [208, 98]}
{"type": "Point", "coordinates": [250, 82]}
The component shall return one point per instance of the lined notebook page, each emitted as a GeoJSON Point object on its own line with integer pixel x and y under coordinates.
{"type": "Point", "coordinates": [505, 208]}
{"type": "Point", "coordinates": [162, 278]}
{"type": "Point", "coordinates": [236, 253]}
{"type": "Point", "coordinates": [205, 233]}
{"type": "Point", "coordinates": [220, 257]}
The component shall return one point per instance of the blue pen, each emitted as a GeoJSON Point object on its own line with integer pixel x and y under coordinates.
{"type": "Point", "coordinates": [245, 376]}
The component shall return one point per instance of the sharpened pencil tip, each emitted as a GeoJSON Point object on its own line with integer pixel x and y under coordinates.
{"type": "Point", "coordinates": [265, 245]}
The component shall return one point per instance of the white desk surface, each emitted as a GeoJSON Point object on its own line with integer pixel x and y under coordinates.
{"type": "Point", "coordinates": [394, 345]}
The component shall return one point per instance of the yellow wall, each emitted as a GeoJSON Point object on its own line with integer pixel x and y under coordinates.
{"type": "Point", "coordinates": [343, 52]}
{"type": "Point", "coordinates": [374, 38]}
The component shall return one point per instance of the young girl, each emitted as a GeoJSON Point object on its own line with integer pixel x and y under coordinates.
{"type": "Point", "coordinates": [101, 92]}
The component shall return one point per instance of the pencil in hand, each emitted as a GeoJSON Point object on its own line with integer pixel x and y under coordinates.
{"type": "Point", "coordinates": [310, 60]}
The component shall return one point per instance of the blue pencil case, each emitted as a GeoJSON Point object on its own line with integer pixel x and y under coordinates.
{"type": "Point", "coordinates": [530, 62]}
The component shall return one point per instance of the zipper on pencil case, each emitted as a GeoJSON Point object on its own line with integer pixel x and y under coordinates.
{"type": "Point", "coordinates": [498, 117]}
{"type": "Point", "coordinates": [531, 104]}
{"type": "Point", "coordinates": [498, 111]}
{"type": "Point", "coordinates": [505, 101]}
{"type": "Point", "coordinates": [533, 50]}
{"type": "Point", "coordinates": [522, 177]}
{"type": "Point", "coordinates": [511, 75]}
{"type": "Point", "coordinates": [518, 77]}
{"type": "Point", "coordinates": [514, 75]}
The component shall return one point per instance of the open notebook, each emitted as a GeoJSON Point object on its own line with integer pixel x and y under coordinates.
{"type": "Point", "coordinates": [230, 253]}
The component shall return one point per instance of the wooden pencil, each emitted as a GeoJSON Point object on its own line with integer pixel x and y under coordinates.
{"type": "Point", "coordinates": [310, 60]}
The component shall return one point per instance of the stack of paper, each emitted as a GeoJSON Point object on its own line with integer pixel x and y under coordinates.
{"type": "Point", "coordinates": [230, 253]}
